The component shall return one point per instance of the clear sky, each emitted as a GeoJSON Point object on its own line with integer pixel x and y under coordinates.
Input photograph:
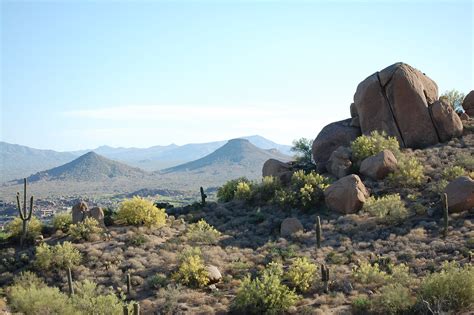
{"type": "Point", "coordinates": [79, 74]}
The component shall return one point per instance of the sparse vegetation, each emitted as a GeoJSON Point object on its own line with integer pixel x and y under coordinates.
{"type": "Point", "coordinates": [86, 230]}
{"type": "Point", "coordinates": [303, 153]}
{"type": "Point", "coordinates": [453, 98]}
{"type": "Point", "coordinates": [393, 299]}
{"type": "Point", "coordinates": [62, 221]}
{"type": "Point", "coordinates": [301, 274]}
{"type": "Point", "coordinates": [15, 229]}
{"type": "Point", "coordinates": [452, 172]}
{"type": "Point", "coordinates": [59, 257]}
{"type": "Point", "coordinates": [139, 211]}
{"type": "Point", "coordinates": [408, 174]}
{"type": "Point", "coordinates": [365, 146]}
{"type": "Point", "coordinates": [192, 271]}
{"type": "Point", "coordinates": [202, 232]}
{"type": "Point", "coordinates": [389, 208]}
{"type": "Point", "coordinates": [227, 191]}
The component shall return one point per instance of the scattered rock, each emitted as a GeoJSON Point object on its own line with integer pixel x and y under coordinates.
{"type": "Point", "coordinates": [290, 226]}
{"type": "Point", "coordinates": [447, 122]}
{"type": "Point", "coordinates": [214, 274]}
{"type": "Point", "coordinates": [379, 166]}
{"type": "Point", "coordinates": [468, 103]}
{"type": "Point", "coordinates": [347, 195]}
{"type": "Point", "coordinates": [98, 214]}
{"type": "Point", "coordinates": [79, 212]}
{"type": "Point", "coordinates": [277, 169]}
{"type": "Point", "coordinates": [331, 137]}
{"type": "Point", "coordinates": [460, 194]}
{"type": "Point", "coordinates": [339, 163]}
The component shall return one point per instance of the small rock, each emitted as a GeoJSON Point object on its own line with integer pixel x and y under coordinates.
{"type": "Point", "coordinates": [379, 166]}
{"type": "Point", "coordinates": [339, 163]}
{"type": "Point", "coordinates": [290, 226]}
{"type": "Point", "coordinates": [347, 195]}
{"type": "Point", "coordinates": [460, 194]}
{"type": "Point", "coordinates": [214, 274]}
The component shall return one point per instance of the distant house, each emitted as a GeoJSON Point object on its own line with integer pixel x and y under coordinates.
{"type": "Point", "coordinates": [47, 212]}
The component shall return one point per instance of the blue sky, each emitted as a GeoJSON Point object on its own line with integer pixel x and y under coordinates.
{"type": "Point", "coordinates": [79, 74]}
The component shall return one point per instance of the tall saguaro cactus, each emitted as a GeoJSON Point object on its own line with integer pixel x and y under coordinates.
{"type": "Point", "coordinates": [318, 232]}
{"type": "Point", "coordinates": [25, 215]}
{"type": "Point", "coordinates": [445, 215]}
{"type": "Point", "coordinates": [203, 197]}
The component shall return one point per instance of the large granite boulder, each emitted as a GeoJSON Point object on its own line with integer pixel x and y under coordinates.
{"type": "Point", "coordinates": [448, 124]}
{"type": "Point", "coordinates": [460, 194]}
{"type": "Point", "coordinates": [79, 212]}
{"type": "Point", "coordinates": [98, 214]}
{"type": "Point", "coordinates": [339, 163]}
{"type": "Point", "coordinates": [277, 169]}
{"type": "Point", "coordinates": [213, 274]}
{"type": "Point", "coordinates": [332, 136]}
{"type": "Point", "coordinates": [468, 103]}
{"type": "Point", "coordinates": [397, 100]}
{"type": "Point", "coordinates": [379, 166]}
{"type": "Point", "coordinates": [347, 195]}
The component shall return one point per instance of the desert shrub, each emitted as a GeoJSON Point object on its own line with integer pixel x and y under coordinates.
{"type": "Point", "coordinates": [139, 211]}
{"type": "Point", "coordinates": [15, 228]}
{"type": "Point", "coordinates": [30, 295]}
{"type": "Point", "coordinates": [157, 281]}
{"type": "Point", "coordinates": [389, 208]}
{"type": "Point", "coordinates": [393, 299]}
{"type": "Point", "coordinates": [301, 274]}
{"type": "Point", "coordinates": [361, 305]}
{"type": "Point", "coordinates": [303, 153]}
{"type": "Point", "coordinates": [365, 146]}
{"type": "Point", "coordinates": [137, 240]}
{"type": "Point", "coordinates": [451, 289]}
{"type": "Point", "coordinates": [87, 230]}
{"type": "Point", "coordinates": [88, 299]}
{"type": "Point", "coordinates": [192, 271]}
{"type": "Point", "coordinates": [465, 161]}
{"type": "Point", "coordinates": [62, 221]}
{"type": "Point", "coordinates": [453, 172]}
{"type": "Point", "coordinates": [267, 189]}
{"type": "Point", "coordinates": [60, 256]}
{"type": "Point", "coordinates": [227, 192]}
{"type": "Point", "coordinates": [408, 174]}
{"type": "Point", "coordinates": [265, 294]}
{"type": "Point", "coordinates": [369, 274]}
{"type": "Point", "coordinates": [202, 232]}
{"type": "Point", "coordinates": [243, 191]}
{"type": "Point", "coordinates": [308, 188]}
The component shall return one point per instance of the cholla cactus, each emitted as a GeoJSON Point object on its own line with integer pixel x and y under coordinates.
{"type": "Point", "coordinates": [24, 215]}
{"type": "Point", "coordinates": [203, 197]}
{"type": "Point", "coordinates": [325, 277]}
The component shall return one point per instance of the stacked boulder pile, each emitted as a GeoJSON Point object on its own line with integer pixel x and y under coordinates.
{"type": "Point", "coordinates": [81, 211]}
{"type": "Point", "coordinates": [401, 102]}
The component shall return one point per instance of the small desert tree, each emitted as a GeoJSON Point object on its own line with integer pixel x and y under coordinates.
{"type": "Point", "coordinates": [454, 98]}
{"type": "Point", "coordinates": [303, 153]}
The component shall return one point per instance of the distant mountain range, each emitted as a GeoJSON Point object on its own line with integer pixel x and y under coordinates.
{"type": "Point", "coordinates": [18, 161]}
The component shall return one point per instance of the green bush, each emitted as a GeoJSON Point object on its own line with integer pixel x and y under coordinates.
{"type": "Point", "coordinates": [15, 228]}
{"type": "Point", "coordinates": [62, 221]}
{"type": "Point", "coordinates": [87, 230]}
{"type": "Point", "coordinates": [408, 174]}
{"type": "Point", "coordinates": [365, 146]}
{"type": "Point", "coordinates": [301, 274]}
{"type": "Point", "coordinates": [30, 295]}
{"type": "Point", "coordinates": [60, 256]}
{"type": "Point", "coordinates": [139, 211]}
{"type": "Point", "coordinates": [452, 172]}
{"type": "Point", "coordinates": [450, 290]}
{"type": "Point", "coordinates": [268, 188]}
{"type": "Point", "coordinates": [308, 189]}
{"type": "Point", "coordinates": [202, 232]}
{"type": "Point", "coordinates": [389, 208]}
{"type": "Point", "coordinates": [243, 191]}
{"type": "Point", "coordinates": [265, 294]}
{"type": "Point", "coordinates": [303, 153]}
{"type": "Point", "coordinates": [466, 161]}
{"type": "Point", "coordinates": [88, 299]}
{"type": "Point", "coordinates": [366, 273]}
{"type": "Point", "coordinates": [227, 192]}
{"type": "Point", "coordinates": [393, 299]}
{"type": "Point", "coordinates": [361, 305]}
{"type": "Point", "coordinates": [192, 271]}
{"type": "Point", "coordinates": [157, 281]}
{"type": "Point", "coordinates": [453, 98]}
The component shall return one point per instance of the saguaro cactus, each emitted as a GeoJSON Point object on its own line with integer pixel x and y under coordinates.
{"type": "Point", "coordinates": [445, 215]}
{"type": "Point", "coordinates": [24, 215]}
{"type": "Point", "coordinates": [318, 232]}
{"type": "Point", "coordinates": [203, 197]}
{"type": "Point", "coordinates": [129, 284]}
{"type": "Point", "coordinates": [136, 309]}
{"type": "Point", "coordinates": [325, 277]}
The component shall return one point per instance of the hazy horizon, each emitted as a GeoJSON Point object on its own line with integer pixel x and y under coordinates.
{"type": "Point", "coordinates": [78, 75]}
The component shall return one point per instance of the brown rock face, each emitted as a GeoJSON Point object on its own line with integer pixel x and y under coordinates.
{"type": "Point", "coordinates": [379, 166]}
{"type": "Point", "coordinates": [339, 163]}
{"type": "Point", "coordinates": [397, 100]}
{"type": "Point", "coordinates": [334, 135]}
{"type": "Point", "coordinates": [277, 169]}
{"type": "Point", "coordinates": [347, 195]}
{"type": "Point", "coordinates": [446, 121]}
{"type": "Point", "coordinates": [460, 194]}
{"type": "Point", "coordinates": [290, 226]}
{"type": "Point", "coordinates": [468, 103]}
{"type": "Point", "coordinates": [79, 212]}
{"type": "Point", "coordinates": [98, 214]}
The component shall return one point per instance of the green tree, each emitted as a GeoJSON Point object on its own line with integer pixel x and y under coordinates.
{"type": "Point", "coordinates": [454, 98]}
{"type": "Point", "coordinates": [303, 153]}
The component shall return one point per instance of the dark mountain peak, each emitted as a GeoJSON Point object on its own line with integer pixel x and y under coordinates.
{"type": "Point", "coordinates": [89, 167]}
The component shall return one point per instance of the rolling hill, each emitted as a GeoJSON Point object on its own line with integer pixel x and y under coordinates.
{"type": "Point", "coordinates": [89, 167]}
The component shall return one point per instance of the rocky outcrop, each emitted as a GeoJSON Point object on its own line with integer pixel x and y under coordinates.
{"type": "Point", "coordinates": [460, 194]}
{"type": "Point", "coordinates": [339, 163]}
{"type": "Point", "coordinates": [98, 214]}
{"type": "Point", "coordinates": [397, 100]}
{"type": "Point", "coordinates": [347, 195]}
{"type": "Point", "coordinates": [79, 212]}
{"type": "Point", "coordinates": [468, 103]}
{"type": "Point", "coordinates": [290, 226]}
{"type": "Point", "coordinates": [277, 169]}
{"type": "Point", "coordinates": [213, 274]}
{"type": "Point", "coordinates": [332, 136]}
{"type": "Point", "coordinates": [448, 124]}
{"type": "Point", "coordinates": [379, 166]}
